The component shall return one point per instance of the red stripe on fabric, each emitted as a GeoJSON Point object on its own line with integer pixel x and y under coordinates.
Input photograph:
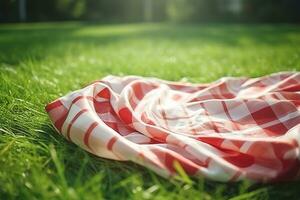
{"type": "Point", "coordinates": [276, 129]}
{"type": "Point", "coordinates": [164, 114]}
{"type": "Point", "coordinates": [104, 93]}
{"type": "Point", "coordinates": [82, 97]}
{"type": "Point", "coordinates": [146, 119]}
{"type": "Point", "coordinates": [73, 120]}
{"type": "Point", "coordinates": [138, 91]}
{"type": "Point", "coordinates": [291, 88]}
{"type": "Point", "coordinates": [210, 120]}
{"type": "Point", "coordinates": [59, 123]}
{"type": "Point", "coordinates": [88, 133]}
{"type": "Point", "coordinates": [132, 102]}
{"type": "Point", "coordinates": [264, 115]}
{"type": "Point", "coordinates": [194, 131]}
{"type": "Point", "coordinates": [102, 107]}
{"type": "Point", "coordinates": [53, 105]}
{"type": "Point", "coordinates": [216, 142]}
{"type": "Point", "coordinates": [290, 171]}
{"type": "Point", "coordinates": [113, 125]}
{"type": "Point", "coordinates": [238, 159]}
{"type": "Point", "coordinates": [125, 115]}
{"type": "Point", "coordinates": [111, 142]}
{"type": "Point", "coordinates": [224, 91]}
{"type": "Point", "coordinates": [157, 134]}
{"type": "Point", "coordinates": [228, 115]}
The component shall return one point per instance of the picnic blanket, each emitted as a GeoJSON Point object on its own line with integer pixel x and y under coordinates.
{"type": "Point", "coordinates": [227, 130]}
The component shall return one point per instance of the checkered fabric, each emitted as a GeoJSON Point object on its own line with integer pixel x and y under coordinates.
{"type": "Point", "coordinates": [228, 130]}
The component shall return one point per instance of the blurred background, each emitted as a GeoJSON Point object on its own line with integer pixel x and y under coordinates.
{"type": "Point", "coordinates": [116, 11]}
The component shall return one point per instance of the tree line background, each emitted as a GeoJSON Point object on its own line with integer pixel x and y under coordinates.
{"type": "Point", "coordinates": [109, 11]}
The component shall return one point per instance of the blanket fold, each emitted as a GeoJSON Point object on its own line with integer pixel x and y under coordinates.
{"type": "Point", "coordinates": [228, 130]}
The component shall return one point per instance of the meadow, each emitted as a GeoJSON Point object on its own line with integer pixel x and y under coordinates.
{"type": "Point", "coordinates": [41, 62]}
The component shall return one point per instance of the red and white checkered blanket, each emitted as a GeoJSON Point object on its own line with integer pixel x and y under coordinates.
{"type": "Point", "coordinates": [228, 130]}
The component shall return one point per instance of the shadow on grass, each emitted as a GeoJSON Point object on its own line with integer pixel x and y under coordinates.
{"type": "Point", "coordinates": [36, 42]}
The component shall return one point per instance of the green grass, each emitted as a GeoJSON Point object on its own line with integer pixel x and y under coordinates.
{"type": "Point", "coordinates": [40, 62]}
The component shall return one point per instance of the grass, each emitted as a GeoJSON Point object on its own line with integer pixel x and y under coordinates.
{"type": "Point", "coordinates": [40, 62]}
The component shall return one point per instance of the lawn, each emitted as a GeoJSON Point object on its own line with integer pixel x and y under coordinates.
{"type": "Point", "coordinates": [40, 62]}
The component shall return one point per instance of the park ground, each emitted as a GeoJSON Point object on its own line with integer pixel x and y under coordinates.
{"type": "Point", "coordinates": [40, 62]}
